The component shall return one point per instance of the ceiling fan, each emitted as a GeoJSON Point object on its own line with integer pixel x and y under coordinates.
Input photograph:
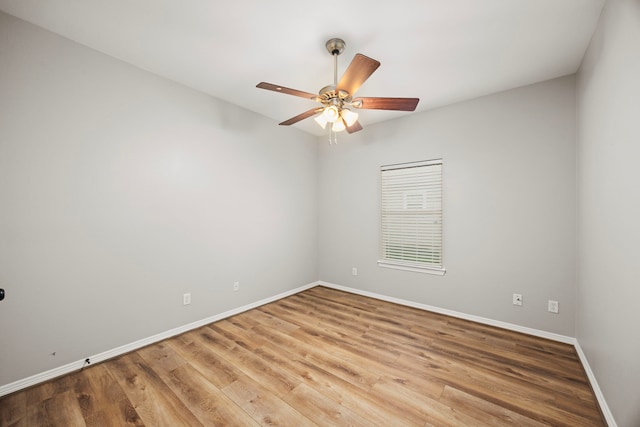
{"type": "Point", "coordinates": [337, 98]}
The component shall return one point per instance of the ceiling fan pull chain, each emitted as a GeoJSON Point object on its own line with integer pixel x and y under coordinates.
{"type": "Point", "coordinates": [333, 137]}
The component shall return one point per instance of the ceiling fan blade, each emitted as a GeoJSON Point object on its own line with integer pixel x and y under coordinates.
{"type": "Point", "coordinates": [357, 73]}
{"type": "Point", "coordinates": [302, 116]}
{"type": "Point", "coordinates": [354, 127]}
{"type": "Point", "coordinates": [286, 90]}
{"type": "Point", "coordinates": [400, 104]}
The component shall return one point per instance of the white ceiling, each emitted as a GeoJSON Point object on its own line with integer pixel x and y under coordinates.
{"type": "Point", "coordinates": [439, 51]}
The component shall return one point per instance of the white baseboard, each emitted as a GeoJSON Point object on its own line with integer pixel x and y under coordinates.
{"type": "Point", "coordinates": [109, 354]}
{"type": "Point", "coordinates": [606, 412]}
{"type": "Point", "coordinates": [509, 326]}
{"type": "Point", "coordinates": [459, 315]}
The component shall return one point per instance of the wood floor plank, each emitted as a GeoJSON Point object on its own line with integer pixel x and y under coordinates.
{"type": "Point", "coordinates": [29, 407]}
{"type": "Point", "coordinates": [217, 370]}
{"type": "Point", "coordinates": [35, 415]}
{"type": "Point", "coordinates": [13, 408]}
{"type": "Point", "coordinates": [323, 410]}
{"type": "Point", "coordinates": [102, 400]}
{"type": "Point", "coordinates": [63, 410]}
{"type": "Point", "coordinates": [348, 364]}
{"type": "Point", "coordinates": [324, 357]}
{"type": "Point", "coordinates": [322, 332]}
{"type": "Point", "coordinates": [264, 407]}
{"type": "Point", "coordinates": [280, 349]}
{"type": "Point", "coordinates": [368, 405]}
{"type": "Point", "coordinates": [518, 397]}
{"type": "Point", "coordinates": [207, 402]}
{"type": "Point", "coordinates": [485, 411]}
{"type": "Point", "coordinates": [49, 389]}
{"type": "Point", "coordinates": [277, 380]}
{"type": "Point", "coordinates": [153, 400]}
{"type": "Point", "coordinates": [162, 357]}
{"type": "Point", "coordinates": [255, 316]}
{"type": "Point", "coordinates": [360, 354]}
{"type": "Point", "coordinates": [423, 407]}
{"type": "Point", "coordinates": [323, 311]}
{"type": "Point", "coordinates": [362, 304]}
{"type": "Point", "coordinates": [515, 366]}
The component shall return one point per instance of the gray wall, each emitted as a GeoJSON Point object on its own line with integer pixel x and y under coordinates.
{"type": "Point", "coordinates": [609, 208]}
{"type": "Point", "coordinates": [509, 205]}
{"type": "Point", "coordinates": [120, 191]}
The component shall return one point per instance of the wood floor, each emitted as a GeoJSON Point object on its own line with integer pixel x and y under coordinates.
{"type": "Point", "coordinates": [324, 357]}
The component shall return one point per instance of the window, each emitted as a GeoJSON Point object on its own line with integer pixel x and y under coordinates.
{"type": "Point", "coordinates": [411, 217]}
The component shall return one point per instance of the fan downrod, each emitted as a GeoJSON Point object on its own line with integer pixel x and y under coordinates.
{"type": "Point", "coordinates": [335, 46]}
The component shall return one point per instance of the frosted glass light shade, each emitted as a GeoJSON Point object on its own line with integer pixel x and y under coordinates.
{"type": "Point", "coordinates": [321, 121]}
{"type": "Point", "coordinates": [338, 126]}
{"type": "Point", "coordinates": [331, 113]}
{"type": "Point", "coordinates": [349, 117]}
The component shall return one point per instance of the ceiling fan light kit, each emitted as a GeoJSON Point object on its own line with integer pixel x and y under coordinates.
{"type": "Point", "coordinates": [337, 97]}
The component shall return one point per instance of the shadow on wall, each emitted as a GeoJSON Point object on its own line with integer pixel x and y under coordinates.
{"type": "Point", "coordinates": [234, 118]}
{"type": "Point", "coordinates": [593, 56]}
{"type": "Point", "coordinates": [382, 132]}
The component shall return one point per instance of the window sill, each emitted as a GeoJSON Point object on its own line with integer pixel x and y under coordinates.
{"type": "Point", "coordinates": [398, 266]}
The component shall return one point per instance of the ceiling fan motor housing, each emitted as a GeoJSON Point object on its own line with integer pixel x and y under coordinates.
{"type": "Point", "coordinates": [335, 46]}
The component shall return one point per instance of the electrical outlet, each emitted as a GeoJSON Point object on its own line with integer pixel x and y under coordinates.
{"type": "Point", "coordinates": [553, 306]}
{"type": "Point", "coordinates": [236, 286]}
{"type": "Point", "coordinates": [354, 271]}
{"type": "Point", "coordinates": [186, 299]}
{"type": "Point", "coordinates": [517, 299]}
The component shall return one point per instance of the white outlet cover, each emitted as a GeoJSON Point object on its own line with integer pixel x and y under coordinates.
{"type": "Point", "coordinates": [186, 299]}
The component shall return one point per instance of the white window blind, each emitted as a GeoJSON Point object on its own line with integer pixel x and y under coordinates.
{"type": "Point", "coordinates": [411, 216]}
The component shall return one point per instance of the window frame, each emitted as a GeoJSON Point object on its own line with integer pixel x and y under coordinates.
{"type": "Point", "coordinates": [408, 265]}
